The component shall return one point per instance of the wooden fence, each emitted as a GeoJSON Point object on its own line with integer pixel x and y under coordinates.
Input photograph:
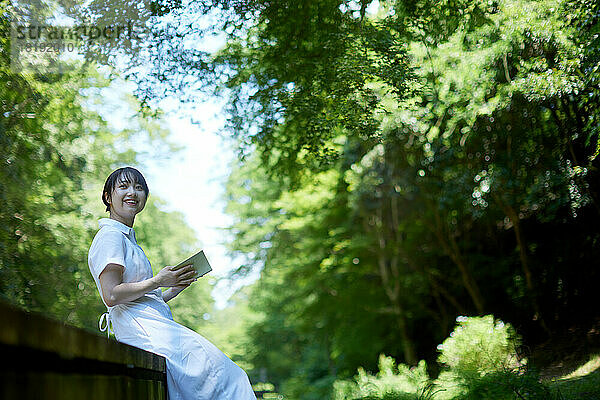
{"type": "Point", "coordinates": [45, 359]}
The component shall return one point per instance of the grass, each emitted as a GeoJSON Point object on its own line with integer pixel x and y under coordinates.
{"type": "Point", "coordinates": [581, 384]}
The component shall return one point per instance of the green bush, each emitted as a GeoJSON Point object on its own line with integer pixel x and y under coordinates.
{"type": "Point", "coordinates": [481, 363]}
{"type": "Point", "coordinates": [480, 345]}
{"type": "Point", "coordinates": [390, 383]}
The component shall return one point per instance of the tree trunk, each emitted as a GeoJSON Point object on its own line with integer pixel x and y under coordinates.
{"type": "Point", "coordinates": [452, 250]}
{"type": "Point", "coordinates": [512, 215]}
{"type": "Point", "coordinates": [390, 278]}
{"type": "Point", "coordinates": [391, 287]}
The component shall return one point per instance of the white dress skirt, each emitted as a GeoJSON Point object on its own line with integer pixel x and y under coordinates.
{"type": "Point", "coordinates": [196, 369]}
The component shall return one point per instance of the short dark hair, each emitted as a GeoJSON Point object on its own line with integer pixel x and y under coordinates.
{"type": "Point", "coordinates": [129, 174]}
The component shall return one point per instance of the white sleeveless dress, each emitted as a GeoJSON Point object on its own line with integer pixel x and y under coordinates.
{"type": "Point", "coordinates": [196, 369]}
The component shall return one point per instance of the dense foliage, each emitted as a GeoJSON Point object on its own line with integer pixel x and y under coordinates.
{"type": "Point", "coordinates": [455, 172]}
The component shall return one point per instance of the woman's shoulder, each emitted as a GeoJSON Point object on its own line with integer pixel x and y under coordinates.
{"type": "Point", "coordinates": [108, 246]}
{"type": "Point", "coordinates": [107, 234]}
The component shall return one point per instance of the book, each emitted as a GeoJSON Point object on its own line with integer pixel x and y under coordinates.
{"type": "Point", "coordinates": [200, 263]}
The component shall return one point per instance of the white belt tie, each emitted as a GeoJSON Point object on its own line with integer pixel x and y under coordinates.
{"type": "Point", "coordinates": [104, 324]}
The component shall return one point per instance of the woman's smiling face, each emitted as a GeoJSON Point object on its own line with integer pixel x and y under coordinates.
{"type": "Point", "coordinates": [127, 199]}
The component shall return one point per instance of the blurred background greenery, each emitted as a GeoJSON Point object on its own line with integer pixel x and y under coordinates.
{"type": "Point", "coordinates": [400, 164]}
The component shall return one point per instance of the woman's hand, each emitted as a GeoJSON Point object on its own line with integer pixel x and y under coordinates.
{"type": "Point", "coordinates": [168, 277]}
{"type": "Point", "coordinates": [175, 290]}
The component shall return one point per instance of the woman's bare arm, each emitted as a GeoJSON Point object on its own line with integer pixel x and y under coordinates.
{"type": "Point", "coordinates": [115, 291]}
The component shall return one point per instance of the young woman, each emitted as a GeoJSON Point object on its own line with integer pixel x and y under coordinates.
{"type": "Point", "coordinates": [137, 306]}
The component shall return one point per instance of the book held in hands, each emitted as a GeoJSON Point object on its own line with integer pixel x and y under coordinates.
{"type": "Point", "coordinates": [200, 263]}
